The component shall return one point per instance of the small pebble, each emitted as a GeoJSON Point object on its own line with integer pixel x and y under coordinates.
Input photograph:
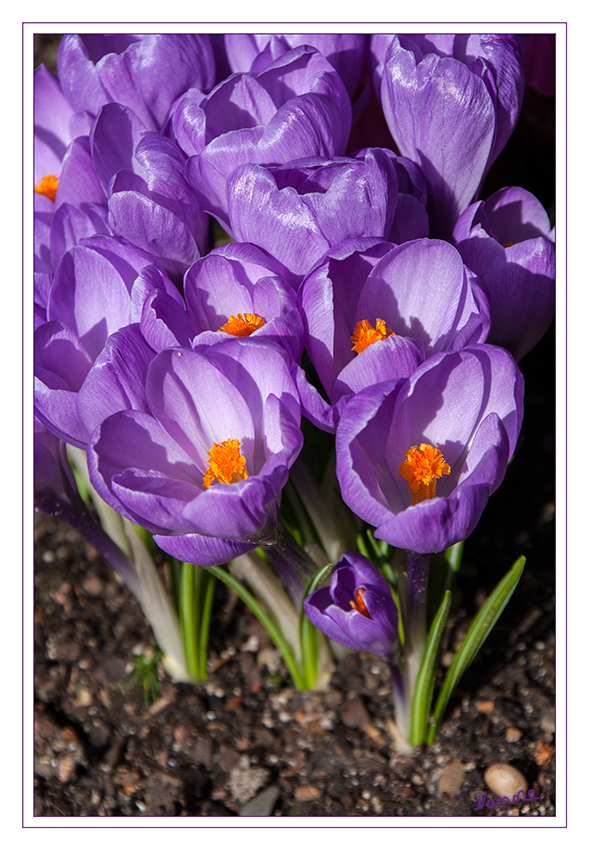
{"type": "Point", "coordinates": [505, 780]}
{"type": "Point", "coordinates": [547, 721]}
{"type": "Point", "coordinates": [484, 705]}
{"type": "Point", "coordinates": [512, 734]}
{"type": "Point", "coordinates": [65, 768]}
{"type": "Point", "coordinates": [262, 804]}
{"type": "Point", "coordinates": [307, 793]}
{"type": "Point", "coordinates": [451, 779]}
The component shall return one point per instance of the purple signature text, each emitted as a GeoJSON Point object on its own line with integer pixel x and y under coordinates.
{"type": "Point", "coordinates": [504, 801]}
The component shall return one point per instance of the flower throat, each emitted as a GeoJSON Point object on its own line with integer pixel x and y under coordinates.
{"type": "Point", "coordinates": [421, 469]}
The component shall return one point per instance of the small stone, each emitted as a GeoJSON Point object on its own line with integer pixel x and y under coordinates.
{"type": "Point", "coordinates": [353, 713]}
{"type": "Point", "coordinates": [261, 806]}
{"type": "Point", "coordinates": [485, 706]}
{"type": "Point", "coordinates": [245, 781]}
{"type": "Point", "coordinates": [93, 586]}
{"type": "Point", "coordinates": [83, 698]}
{"type": "Point", "coordinates": [451, 779]}
{"type": "Point", "coordinates": [307, 793]}
{"type": "Point", "coordinates": [512, 734]}
{"type": "Point", "coordinates": [547, 721]}
{"type": "Point", "coordinates": [65, 768]}
{"type": "Point", "coordinates": [505, 780]}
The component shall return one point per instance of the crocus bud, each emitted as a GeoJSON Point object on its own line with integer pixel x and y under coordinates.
{"type": "Point", "coordinates": [357, 609]}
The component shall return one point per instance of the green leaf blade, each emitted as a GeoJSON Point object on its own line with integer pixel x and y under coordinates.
{"type": "Point", "coordinates": [426, 676]}
{"type": "Point", "coordinates": [478, 632]}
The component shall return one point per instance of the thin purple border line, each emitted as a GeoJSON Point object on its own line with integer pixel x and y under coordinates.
{"type": "Point", "coordinates": [249, 24]}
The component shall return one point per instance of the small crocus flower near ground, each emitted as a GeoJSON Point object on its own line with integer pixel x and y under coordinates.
{"type": "Point", "coordinates": [507, 241]}
{"type": "Point", "coordinates": [419, 458]}
{"type": "Point", "coordinates": [373, 311]}
{"type": "Point", "coordinates": [204, 465]}
{"type": "Point", "coordinates": [297, 211]}
{"type": "Point", "coordinates": [296, 107]}
{"type": "Point", "coordinates": [357, 610]}
{"type": "Point", "coordinates": [451, 103]}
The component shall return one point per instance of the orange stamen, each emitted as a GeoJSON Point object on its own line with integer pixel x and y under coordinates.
{"type": "Point", "coordinates": [47, 186]}
{"type": "Point", "coordinates": [364, 334]}
{"type": "Point", "coordinates": [359, 605]}
{"type": "Point", "coordinates": [243, 324]}
{"type": "Point", "coordinates": [225, 464]}
{"type": "Point", "coordinates": [509, 244]}
{"type": "Point", "coordinates": [424, 465]}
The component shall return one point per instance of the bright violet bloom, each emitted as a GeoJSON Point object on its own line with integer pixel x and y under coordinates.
{"type": "Point", "coordinates": [254, 52]}
{"type": "Point", "coordinates": [419, 458]}
{"type": "Point", "coordinates": [150, 203]}
{"type": "Point", "coordinates": [507, 241]}
{"type": "Point", "coordinates": [299, 210]}
{"type": "Point", "coordinates": [203, 467]}
{"type": "Point", "coordinates": [80, 317]}
{"type": "Point", "coordinates": [411, 219]}
{"type": "Point", "coordinates": [374, 311]}
{"type": "Point", "coordinates": [239, 289]}
{"type": "Point", "coordinates": [451, 102]}
{"type": "Point", "coordinates": [52, 133]}
{"type": "Point", "coordinates": [147, 73]}
{"type": "Point", "coordinates": [296, 107]}
{"type": "Point", "coordinates": [69, 201]}
{"type": "Point", "coordinates": [357, 610]}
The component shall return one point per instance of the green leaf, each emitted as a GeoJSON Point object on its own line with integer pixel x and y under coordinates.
{"type": "Point", "coordinates": [207, 592]}
{"type": "Point", "coordinates": [478, 632]}
{"type": "Point", "coordinates": [265, 619]}
{"type": "Point", "coordinates": [308, 633]}
{"type": "Point", "coordinates": [426, 676]}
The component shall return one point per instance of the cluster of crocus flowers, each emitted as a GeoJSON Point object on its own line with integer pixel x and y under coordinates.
{"type": "Point", "coordinates": [365, 290]}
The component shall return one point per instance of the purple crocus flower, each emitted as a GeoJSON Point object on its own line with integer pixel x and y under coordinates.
{"type": "Point", "coordinates": [373, 311]}
{"type": "Point", "coordinates": [296, 107]}
{"type": "Point", "coordinates": [52, 114]}
{"type": "Point", "coordinates": [451, 103]}
{"type": "Point", "coordinates": [150, 203]}
{"type": "Point", "coordinates": [204, 466]}
{"type": "Point", "coordinates": [239, 289]}
{"type": "Point", "coordinates": [253, 52]}
{"type": "Point", "coordinates": [297, 211]}
{"type": "Point", "coordinates": [419, 458]}
{"type": "Point", "coordinates": [69, 201]}
{"type": "Point", "coordinates": [357, 610]}
{"type": "Point", "coordinates": [508, 242]}
{"type": "Point", "coordinates": [80, 317]}
{"type": "Point", "coordinates": [147, 73]}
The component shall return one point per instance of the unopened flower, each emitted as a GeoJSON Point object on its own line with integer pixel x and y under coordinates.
{"type": "Point", "coordinates": [295, 107]}
{"type": "Point", "coordinates": [297, 211]}
{"type": "Point", "coordinates": [507, 241]}
{"type": "Point", "coordinates": [147, 72]}
{"type": "Point", "coordinates": [357, 610]}
{"type": "Point", "coordinates": [451, 103]}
